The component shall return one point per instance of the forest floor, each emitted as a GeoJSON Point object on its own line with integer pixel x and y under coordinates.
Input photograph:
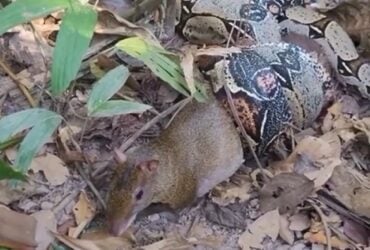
{"type": "Point", "coordinates": [323, 199]}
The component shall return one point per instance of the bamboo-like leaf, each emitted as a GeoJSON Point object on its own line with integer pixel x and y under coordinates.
{"type": "Point", "coordinates": [34, 140]}
{"type": "Point", "coordinates": [118, 107]}
{"type": "Point", "coordinates": [19, 121]}
{"type": "Point", "coordinates": [22, 11]}
{"type": "Point", "coordinates": [7, 172]}
{"type": "Point", "coordinates": [154, 58]}
{"type": "Point", "coordinates": [73, 40]}
{"type": "Point", "coordinates": [106, 87]}
{"type": "Point", "coordinates": [43, 123]}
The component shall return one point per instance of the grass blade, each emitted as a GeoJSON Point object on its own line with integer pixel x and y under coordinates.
{"type": "Point", "coordinates": [7, 172]}
{"type": "Point", "coordinates": [22, 11]}
{"type": "Point", "coordinates": [73, 40]}
{"type": "Point", "coordinates": [118, 107]}
{"type": "Point", "coordinates": [106, 87]}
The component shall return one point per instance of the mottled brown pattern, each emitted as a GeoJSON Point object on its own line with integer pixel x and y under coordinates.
{"type": "Point", "coordinates": [247, 114]}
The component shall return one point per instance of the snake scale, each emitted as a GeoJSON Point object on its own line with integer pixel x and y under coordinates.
{"type": "Point", "coordinates": [274, 82]}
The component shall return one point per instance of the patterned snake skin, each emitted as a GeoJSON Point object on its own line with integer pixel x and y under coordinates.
{"type": "Point", "coordinates": [273, 83]}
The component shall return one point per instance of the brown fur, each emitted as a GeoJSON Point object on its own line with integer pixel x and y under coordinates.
{"type": "Point", "coordinates": [199, 149]}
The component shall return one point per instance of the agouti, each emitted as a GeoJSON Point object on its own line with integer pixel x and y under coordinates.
{"type": "Point", "coordinates": [200, 149]}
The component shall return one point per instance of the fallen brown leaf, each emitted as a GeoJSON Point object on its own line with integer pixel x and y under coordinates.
{"type": "Point", "coordinates": [84, 212]}
{"type": "Point", "coordinates": [352, 188]}
{"type": "Point", "coordinates": [175, 241]}
{"type": "Point", "coordinates": [299, 222]}
{"type": "Point", "coordinates": [320, 238]}
{"type": "Point", "coordinates": [266, 225]}
{"type": "Point", "coordinates": [238, 189]}
{"type": "Point", "coordinates": [285, 191]}
{"type": "Point", "coordinates": [356, 232]}
{"type": "Point", "coordinates": [285, 232]}
{"type": "Point", "coordinates": [98, 241]}
{"type": "Point", "coordinates": [187, 65]}
{"type": "Point", "coordinates": [231, 216]}
{"type": "Point", "coordinates": [46, 222]}
{"type": "Point", "coordinates": [112, 24]}
{"type": "Point", "coordinates": [53, 168]}
{"type": "Point", "coordinates": [17, 229]}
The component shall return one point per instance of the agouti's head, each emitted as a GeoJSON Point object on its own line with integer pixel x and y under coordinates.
{"type": "Point", "coordinates": [131, 193]}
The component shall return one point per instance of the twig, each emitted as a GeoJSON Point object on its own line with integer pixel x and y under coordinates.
{"type": "Point", "coordinates": [244, 133]}
{"type": "Point", "coordinates": [91, 185]}
{"type": "Point", "coordinates": [125, 145]}
{"type": "Point", "coordinates": [160, 116]}
{"type": "Point", "coordinates": [131, 14]}
{"type": "Point", "coordinates": [63, 203]}
{"type": "Point", "coordinates": [323, 220]}
{"type": "Point", "coordinates": [39, 39]}
{"type": "Point", "coordinates": [176, 112]}
{"type": "Point", "coordinates": [236, 117]}
{"type": "Point", "coordinates": [23, 88]}
{"type": "Point", "coordinates": [344, 237]}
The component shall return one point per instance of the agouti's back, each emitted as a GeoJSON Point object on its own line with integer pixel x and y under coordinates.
{"type": "Point", "coordinates": [199, 149]}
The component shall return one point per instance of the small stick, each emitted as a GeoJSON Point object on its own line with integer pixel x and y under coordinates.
{"type": "Point", "coordinates": [323, 220]}
{"type": "Point", "coordinates": [20, 85]}
{"type": "Point", "coordinates": [244, 133]}
{"type": "Point", "coordinates": [91, 185]}
{"type": "Point", "coordinates": [153, 121]}
{"type": "Point", "coordinates": [125, 145]}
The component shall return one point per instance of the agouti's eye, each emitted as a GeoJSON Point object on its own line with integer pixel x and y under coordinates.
{"type": "Point", "coordinates": [139, 195]}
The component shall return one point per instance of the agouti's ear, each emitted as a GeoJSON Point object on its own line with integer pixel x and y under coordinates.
{"type": "Point", "coordinates": [119, 156]}
{"type": "Point", "coordinates": [149, 166]}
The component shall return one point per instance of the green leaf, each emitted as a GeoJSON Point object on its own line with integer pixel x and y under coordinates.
{"type": "Point", "coordinates": [118, 107]}
{"type": "Point", "coordinates": [19, 121]}
{"type": "Point", "coordinates": [153, 56]}
{"type": "Point", "coordinates": [73, 40]}
{"type": "Point", "coordinates": [11, 142]}
{"type": "Point", "coordinates": [43, 121]}
{"type": "Point", "coordinates": [106, 87]}
{"type": "Point", "coordinates": [34, 140]}
{"type": "Point", "coordinates": [164, 64]}
{"type": "Point", "coordinates": [22, 11]}
{"type": "Point", "coordinates": [7, 172]}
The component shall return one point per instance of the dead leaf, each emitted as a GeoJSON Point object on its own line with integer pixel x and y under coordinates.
{"type": "Point", "coordinates": [231, 216]}
{"type": "Point", "coordinates": [284, 231]}
{"type": "Point", "coordinates": [285, 191]}
{"type": "Point", "coordinates": [266, 225]}
{"type": "Point", "coordinates": [202, 230]}
{"type": "Point", "coordinates": [217, 51]}
{"type": "Point", "coordinates": [66, 133]}
{"type": "Point", "coordinates": [46, 222]}
{"type": "Point", "coordinates": [356, 232]}
{"type": "Point", "coordinates": [228, 192]}
{"type": "Point", "coordinates": [100, 240]}
{"type": "Point", "coordinates": [53, 168]}
{"type": "Point", "coordinates": [187, 65]}
{"type": "Point", "coordinates": [84, 212]}
{"type": "Point", "coordinates": [10, 194]}
{"type": "Point", "coordinates": [352, 188]}
{"type": "Point", "coordinates": [321, 176]}
{"type": "Point", "coordinates": [112, 24]}
{"type": "Point", "coordinates": [320, 238]}
{"type": "Point", "coordinates": [299, 222]}
{"type": "Point", "coordinates": [175, 241]}
{"type": "Point", "coordinates": [364, 126]}
{"type": "Point", "coordinates": [11, 224]}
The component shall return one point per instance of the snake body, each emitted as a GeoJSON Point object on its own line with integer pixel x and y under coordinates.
{"type": "Point", "coordinates": [271, 87]}
{"type": "Point", "coordinates": [294, 81]}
